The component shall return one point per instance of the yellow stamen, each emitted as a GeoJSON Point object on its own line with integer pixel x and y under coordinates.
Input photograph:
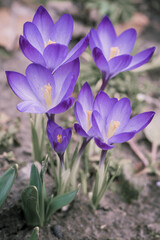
{"type": "Point", "coordinates": [89, 116]}
{"type": "Point", "coordinates": [47, 94]}
{"type": "Point", "coordinates": [49, 42]}
{"type": "Point", "coordinates": [112, 128]}
{"type": "Point", "coordinates": [59, 138]}
{"type": "Point", "coordinates": [114, 52]}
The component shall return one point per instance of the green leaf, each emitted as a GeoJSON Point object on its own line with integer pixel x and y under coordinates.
{"type": "Point", "coordinates": [74, 156]}
{"type": "Point", "coordinates": [95, 189]}
{"type": "Point", "coordinates": [30, 205]}
{"type": "Point", "coordinates": [35, 180]}
{"type": "Point", "coordinates": [152, 131]}
{"type": "Point", "coordinates": [6, 182]}
{"type": "Point", "coordinates": [38, 131]}
{"type": "Point", "coordinates": [58, 202]}
{"type": "Point", "coordinates": [35, 234]}
{"type": "Point", "coordinates": [35, 143]}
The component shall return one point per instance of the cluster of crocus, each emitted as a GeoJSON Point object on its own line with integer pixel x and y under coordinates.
{"type": "Point", "coordinates": [51, 77]}
{"type": "Point", "coordinates": [107, 119]}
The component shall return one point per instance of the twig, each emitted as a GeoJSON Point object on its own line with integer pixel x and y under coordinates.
{"type": "Point", "coordinates": [135, 148]}
{"type": "Point", "coordinates": [154, 152]}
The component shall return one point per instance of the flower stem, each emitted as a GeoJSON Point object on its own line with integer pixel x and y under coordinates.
{"type": "Point", "coordinates": [102, 159]}
{"type": "Point", "coordinates": [61, 157]}
{"type": "Point", "coordinates": [50, 116]}
{"type": "Point", "coordinates": [104, 82]}
{"type": "Point", "coordinates": [84, 144]}
{"type": "Point", "coordinates": [75, 168]}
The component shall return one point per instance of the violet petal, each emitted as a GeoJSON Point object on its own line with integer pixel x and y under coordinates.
{"type": "Point", "coordinates": [44, 23]}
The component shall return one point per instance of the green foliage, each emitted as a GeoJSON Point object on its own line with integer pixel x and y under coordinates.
{"type": "Point", "coordinates": [35, 234]}
{"type": "Point", "coordinates": [56, 203]}
{"type": "Point", "coordinates": [30, 205]}
{"type": "Point", "coordinates": [6, 182]}
{"type": "Point", "coordinates": [8, 134]}
{"type": "Point", "coordinates": [102, 183]}
{"type": "Point", "coordinates": [37, 207]}
{"type": "Point", "coordinates": [127, 189]}
{"type": "Point", "coordinates": [153, 6]}
{"type": "Point", "coordinates": [117, 10]}
{"type": "Point", "coordinates": [38, 132]}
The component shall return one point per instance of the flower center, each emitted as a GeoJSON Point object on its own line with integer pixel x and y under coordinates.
{"type": "Point", "coordinates": [89, 125]}
{"type": "Point", "coordinates": [112, 128]}
{"type": "Point", "coordinates": [114, 52]}
{"type": "Point", "coordinates": [47, 94]}
{"type": "Point", "coordinates": [59, 138]}
{"type": "Point", "coordinates": [49, 42]}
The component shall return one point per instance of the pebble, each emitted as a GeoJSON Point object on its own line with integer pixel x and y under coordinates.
{"type": "Point", "coordinates": [56, 230]}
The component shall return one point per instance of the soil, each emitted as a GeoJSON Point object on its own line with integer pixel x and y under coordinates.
{"type": "Point", "coordinates": [114, 220]}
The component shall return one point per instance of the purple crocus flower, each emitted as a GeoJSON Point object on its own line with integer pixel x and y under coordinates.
{"type": "Point", "coordinates": [111, 53]}
{"type": "Point", "coordinates": [41, 92]}
{"type": "Point", "coordinates": [46, 43]}
{"type": "Point", "coordinates": [58, 137]}
{"type": "Point", "coordinates": [108, 119]}
{"type": "Point", "coordinates": [111, 121]}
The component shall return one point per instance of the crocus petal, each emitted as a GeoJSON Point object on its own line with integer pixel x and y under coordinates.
{"type": "Point", "coordinates": [140, 58]}
{"type": "Point", "coordinates": [51, 130]}
{"type": "Point", "coordinates": [85, 97]}
{"type": "Point", "coordinates": [30, 52]}
{"type": "Point", "coordinates": [117, 64]}
{"type": "Point", "coordinates": [98, 125]}
{"type": "Point", "coordinates": [94, 40]}
{"type": "Point", "coordinates": [101, 100]}
{"type": "Point", "coordinates": [20, 86]}
{"type": "Point", "coordinates": [63, 71]}
{"type": "Point", "coordinates": [103, 104]}
{"type": "Point", "coordinates": [60, 147]}
{"type": "Point", "coordinates": [80, 130]}
{"type": "Point", "coordinates": [54, 54]}
{"type": "Point", "coordinates": [121, 112]}
{"type": "Point", "coordinates": [67, 133]}
{"type": "Point", "coordinates": [77, 50]}
{"type": "Point", "coordinates": [106, 34]}
{"type": "Point", "coordinates": [125, 42]}
{"type": "Point", "coordinates": [67, 87]}
{"type": "Point", "coordinates": [32, 34]}
{"type": "Point", "coordinates": [139, 122]}
{"type": "Point", "coordinates": [44, 23]}
{"type": "Point", "coordinates": [80, 115]}
{"type": "Point", "coordinates": [103, 145]}
{"type": "Point", "coordinates": [38, 77]}
{"type": "Point", "coordinates": [62, 106]}
{"type": "Point", "coordinates": [101, 61]}
{"type": "Point", "coordinates": [63, 29]}
{"type": "Point", "coordinates": [66, 136]}
{"type": "Point", "coordinates": [122, 137]}
{"type": "Point", "coordinates": [30, 107]}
